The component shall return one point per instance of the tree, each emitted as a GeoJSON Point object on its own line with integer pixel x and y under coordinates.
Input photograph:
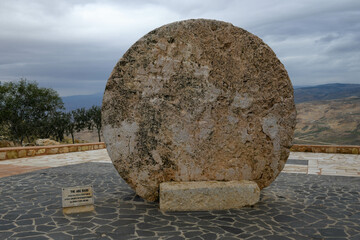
{"type": "Point", "coordinates": [70, 127]}
{"type": "Point", "coordinates": [26, 109]}
{"type": "Point", "coordinates": [94, 115]}
{"type": "Point", "coordinates": [81, 119]}
{"type": "Point", "coordinates": [59, 124]}
{"type": "Point", "coordinates": [77, 120]}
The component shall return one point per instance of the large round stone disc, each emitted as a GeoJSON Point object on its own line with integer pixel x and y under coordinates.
{"type": "Point", "coordinates": [198, 100]}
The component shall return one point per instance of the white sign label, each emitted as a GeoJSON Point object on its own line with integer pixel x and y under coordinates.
{"type": "Point", "coordinates": [77, 196]}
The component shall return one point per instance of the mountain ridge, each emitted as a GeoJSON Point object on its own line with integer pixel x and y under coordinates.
{"type": "Point", "coordinates": [82, 101]}
{"type": "Point", "coordinates": [326, 92]}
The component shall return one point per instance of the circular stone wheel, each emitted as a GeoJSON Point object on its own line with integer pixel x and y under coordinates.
{"type": "Point", "coordinates": [198, 100]}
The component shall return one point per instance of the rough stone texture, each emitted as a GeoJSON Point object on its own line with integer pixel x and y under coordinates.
{"type": "Point", "coordinates": [198, 100]}
{"type": "Point", "coordinates": [2, 155]}
{"type": "Point", "coordinates": [207, 195]}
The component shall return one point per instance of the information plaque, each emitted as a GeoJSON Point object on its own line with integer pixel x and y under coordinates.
{"type": "Point", "coordinates": [77, 196]}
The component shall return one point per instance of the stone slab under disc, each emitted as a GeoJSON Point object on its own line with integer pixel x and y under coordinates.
{"type": "Point", "coordinates": [198, 100]}
{"type": "Point", "coordinates": [207, 195]}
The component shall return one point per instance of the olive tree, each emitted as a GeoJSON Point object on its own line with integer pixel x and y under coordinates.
{"type": "Point", "coordinates": [77, 120]}
{"type": "Point", "coordinates": [26, 109]}
{"type": "Point", "coordinates": [94, 115]}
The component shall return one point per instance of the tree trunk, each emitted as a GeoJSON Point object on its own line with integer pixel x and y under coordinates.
{"type": "Point", "coordinates": [21, 140]}
{"type": "Point", "coordinates": [73, 139]}
{"type": "Point", "coordinates": [99, 135]}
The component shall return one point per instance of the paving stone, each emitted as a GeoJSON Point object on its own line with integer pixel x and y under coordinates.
{"type": "Point", "coordinates": [164, 229]}
{"type": "Point", "coordinates": [104, 229]}
{"type": "Point", "coordinates": [35, 238]}
{"type": "Point", "coordinates": [11, 216]}
{"type": "Point", "coordinates": [83, 224]}
{"type": "Point", "coordinates": [79, 232]}
{"type": "Point", "coordinates": [23, 222]}
{"type": "Point", "coordinates": [284, 218]}
{"type": "Point", "coordinates": [232, 229]}
{"type": "Point", "coordinates": [61, 221]}
{"type": "Point", "coordinates": [332, 232]}
{"type": "Point", "coordinates": [175, 238]}
{"type": "Point", "coordinates": [104, 210]}
{"type": "Point", "coordinates": [209, 236]}
{"type": "Point", "coordinates": [181, 224]}
{"type": "Point", "coordinates": [167, 234]}
{"type": "Point", "coordinates": [244, 236]}
{"type": "Point", "coordinates": [81, 218]}
{"type": "Point", "coordinates": [60, 236]}
{"type": "Point", "coordinates": [101, 221]}
{"type": "Point", "coordinates": [213, 229]}
{"type": "Point", "coordinates": [125, 231]}
{"type": "Point", "coordinates": [226, 219]}
{"type": "Point", "coordinates": [5, 227]}
{"type": "Point", "coordinates": [297, 237]}
{"type": "Point", "coordinates": [63, 229]}
{"type": "Point", "coordinates": [107, 216]}
{"type": "Point", "coordinates": [5, 235]}
{"type": "Point", "coordinates": [229, 238]}
{"type": "Point", "coordinates": [124, 222]}
{"type": "Point", "coordinates": [145, 233]}
{"type": "Point", "coordinates": [276, 237]}
{"type": "Point", "coordinates": [25, 234]}
{"type": "Point", "coordinates": [44, 228]}
{"type": "Point", "coordinates": [24, 229]}
{"type": "Point", "coordinates": [355, 237]}
{"type": "Point", "coordinates": [192, 234]}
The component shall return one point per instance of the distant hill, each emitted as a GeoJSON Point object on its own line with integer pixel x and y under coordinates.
{"type": "Point", "coordinates": [326, 92]}
{"type": "Point", "coordinates": [82, 101]}
{"type": "Point", "coordinates": [300, 86]}
{"type": "Point", "coordinates": [328, 122]}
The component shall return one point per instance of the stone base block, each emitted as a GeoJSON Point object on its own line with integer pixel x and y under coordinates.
{"type": "Point", "coordinates": [78, 209]}
{"type": "Point", "coordinates": [207, 195]}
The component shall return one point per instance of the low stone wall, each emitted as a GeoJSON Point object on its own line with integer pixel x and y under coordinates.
{"type": "Point", "coordinates": [20, 152]}
{"type": "Point", "coordinates": [326, 149]}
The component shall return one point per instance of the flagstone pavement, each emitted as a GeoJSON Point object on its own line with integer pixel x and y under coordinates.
{"type": "Point", "coordinates": [317, 196]}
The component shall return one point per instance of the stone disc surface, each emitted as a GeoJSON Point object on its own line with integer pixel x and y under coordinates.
{"type": "Point", "coordinates": [198, 100]}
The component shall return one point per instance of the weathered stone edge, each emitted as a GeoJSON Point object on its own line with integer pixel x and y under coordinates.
{"type": "Point", "coordinates": [326, 149]}
{"type": "Point", "coordinates": [21, 152]}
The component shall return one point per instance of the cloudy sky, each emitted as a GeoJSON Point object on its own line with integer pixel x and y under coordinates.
{"type": "Point", "coordinates": [72, 45]}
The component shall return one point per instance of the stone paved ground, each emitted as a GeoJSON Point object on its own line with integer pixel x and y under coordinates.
{"type": "Point", "coordinates": [295, 206]}
{"type": "Point", "coordinates": [22, 165]}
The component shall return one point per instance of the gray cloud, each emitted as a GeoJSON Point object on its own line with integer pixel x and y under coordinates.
{"type": "Point", "coordinates": [72, 46]}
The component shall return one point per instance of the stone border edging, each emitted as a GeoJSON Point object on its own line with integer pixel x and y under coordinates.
{"type": "Point", "coordinates": [20, 152]}
{"type": "Point", "coordinates": [349, 149]}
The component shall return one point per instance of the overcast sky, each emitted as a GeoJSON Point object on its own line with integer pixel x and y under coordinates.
{"type": "Point", "coordinates": [72, 46]}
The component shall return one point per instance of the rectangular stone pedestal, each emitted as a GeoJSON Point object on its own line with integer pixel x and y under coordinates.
{"type": "Point", "coordinates": [207, 195]}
